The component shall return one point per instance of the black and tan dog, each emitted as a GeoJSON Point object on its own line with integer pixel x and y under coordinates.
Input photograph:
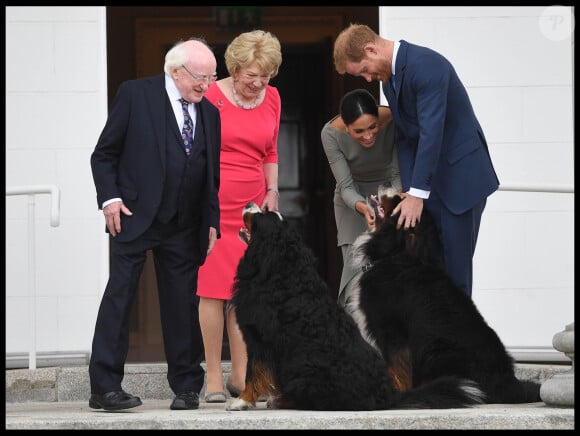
{"type": "Point", "coordinates": [425, 326]}
{"type": "Point", "coordinates": [304, 351]}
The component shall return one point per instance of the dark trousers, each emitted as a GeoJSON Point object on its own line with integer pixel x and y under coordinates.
{"type": "Point", "coordinates": [175, 253]}
{"type": "Point", "coordinates": [458, 235]}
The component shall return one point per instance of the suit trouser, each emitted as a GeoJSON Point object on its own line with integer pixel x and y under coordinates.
{"type": "Point", "coordinates": [458, 236]}
{"type": "Point", "coordinates": [176, 265]}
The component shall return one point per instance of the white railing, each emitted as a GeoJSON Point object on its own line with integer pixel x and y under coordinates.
{"type": "Point", "coordinates": [540, 353]}
{"type": "Point", "coordinates": [32, 191]}
{"type": "Point", "coordinates": [556, 189]}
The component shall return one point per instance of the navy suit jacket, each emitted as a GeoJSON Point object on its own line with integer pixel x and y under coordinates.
{"type": "Point", "coordinates": [440, 145]}
{"type": "Point", "coordinates": [129, 160]}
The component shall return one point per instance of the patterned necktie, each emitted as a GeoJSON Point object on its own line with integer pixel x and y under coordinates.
{"type": "Point", "coordinates": [187, 131]}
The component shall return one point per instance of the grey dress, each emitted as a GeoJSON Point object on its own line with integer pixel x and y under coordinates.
{"type": "Point", "coordinates": [358, 172]}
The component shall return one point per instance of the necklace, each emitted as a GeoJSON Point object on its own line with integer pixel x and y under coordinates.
{"type": "Point", "coordinates": [248, 106]}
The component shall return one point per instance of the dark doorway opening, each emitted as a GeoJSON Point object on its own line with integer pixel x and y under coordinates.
{"type": "Point", "coordinates": [138, 38]}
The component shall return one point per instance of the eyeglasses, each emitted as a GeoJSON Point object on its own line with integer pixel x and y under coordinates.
{"type": "Point", "coordinates": [252, 77]}
{"type": "Point", "coordinates": [209, 79]}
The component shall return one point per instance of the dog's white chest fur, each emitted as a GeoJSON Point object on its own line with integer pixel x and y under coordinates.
{"type": "Point", "coordinates": [360, 261]}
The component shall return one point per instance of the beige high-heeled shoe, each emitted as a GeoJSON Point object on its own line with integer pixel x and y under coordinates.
{"type": "Point", "coordinates": [215, 397]}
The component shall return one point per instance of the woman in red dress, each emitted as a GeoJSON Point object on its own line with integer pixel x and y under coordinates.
{"type": "Point", "coordinates": [250, 119]}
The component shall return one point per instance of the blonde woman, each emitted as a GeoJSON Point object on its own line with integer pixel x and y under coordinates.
{"type": "Point", "coordinates": [250, 119]}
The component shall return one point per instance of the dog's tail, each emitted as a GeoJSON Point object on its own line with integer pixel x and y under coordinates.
{"type": "Point", "coordinates": [516, 391]}
{"type": "Point", "coordinates": [530, 391]}
{"type": "Point", "coordinates": [447, 392]}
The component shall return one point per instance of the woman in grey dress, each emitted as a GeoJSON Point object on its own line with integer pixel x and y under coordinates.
{"type": "Point", "coordinates": [360, 147]}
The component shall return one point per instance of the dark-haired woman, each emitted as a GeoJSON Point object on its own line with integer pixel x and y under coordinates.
{"type": "Point", "coordinates": [360, 146]}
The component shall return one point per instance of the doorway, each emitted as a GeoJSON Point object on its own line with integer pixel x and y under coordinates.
{"type": "Point", "coordinates": [305, 182]}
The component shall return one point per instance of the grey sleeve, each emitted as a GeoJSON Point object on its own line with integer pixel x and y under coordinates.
{"type": "Point", "coordinates": [331, 141]}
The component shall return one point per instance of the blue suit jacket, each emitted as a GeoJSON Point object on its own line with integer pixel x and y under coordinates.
{"type": "Point", "coordinates": [441, 146]}
{"type": "Point", "coordinates": [129, 159]}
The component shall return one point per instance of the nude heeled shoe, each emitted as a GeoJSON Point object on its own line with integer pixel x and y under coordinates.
{"type": "Point", "coordinates": [215, 397]}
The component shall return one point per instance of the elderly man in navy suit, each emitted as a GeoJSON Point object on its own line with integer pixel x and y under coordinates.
{"type": "Point", "coordinates": [444, 160]}
{"type": "Point", "coordinates": [156, 173]}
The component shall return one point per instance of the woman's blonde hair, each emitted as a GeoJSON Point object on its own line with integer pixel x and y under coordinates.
{"type": "Point", "coordinates": [255, 46]}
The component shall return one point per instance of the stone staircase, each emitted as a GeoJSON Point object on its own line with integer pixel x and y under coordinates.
{"type": "Point", "coordinates": [56, 398]}
{"type": "Point", "coordinates": [148, 381]}
{"type": "Point", "coordinates": [71, 383]}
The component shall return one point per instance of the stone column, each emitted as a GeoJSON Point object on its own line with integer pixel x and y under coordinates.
{"type": "Point", "coordinates": [558, 391]}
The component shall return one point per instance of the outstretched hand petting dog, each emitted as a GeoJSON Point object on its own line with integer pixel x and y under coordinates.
{"type": "Point", "coordinates": [374, 211]}
{"type": "Point", "coordinates": [410, 211]}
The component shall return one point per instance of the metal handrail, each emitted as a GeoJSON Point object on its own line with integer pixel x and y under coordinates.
{"type": "Point", "coordinates": [54, 192]}
{"type": "Point", "coordinates": [31, 191]}
{"type": "Point", "coordinates": [556, 189]}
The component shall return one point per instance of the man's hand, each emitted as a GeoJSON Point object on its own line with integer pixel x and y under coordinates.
{"type": "Point", "coordinates": [113, 216]}
{"type": "Point", "coordinates": [212, 240]}
{"type": "Point", "coordinates": [410, 208]}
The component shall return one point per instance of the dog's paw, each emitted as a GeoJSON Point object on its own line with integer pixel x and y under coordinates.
{"type": "Point", "coordinates": [239, 404]}
{"type": "Point", "coordinates": [271, 402]}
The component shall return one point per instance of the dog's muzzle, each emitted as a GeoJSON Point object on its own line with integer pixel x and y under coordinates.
{"type": "Point", "coordinates": [244, 235]}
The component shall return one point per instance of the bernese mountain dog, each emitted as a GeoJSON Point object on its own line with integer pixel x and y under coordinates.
{"type": "Point", "coordinates": [304, 350]}
{"type": "Point", "coordinates": [423, 325]}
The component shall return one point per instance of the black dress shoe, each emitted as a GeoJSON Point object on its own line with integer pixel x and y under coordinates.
{"type": "Point", "coordinates": [185, 401]}
{"type": "Point", "coordinates": [115, 400]}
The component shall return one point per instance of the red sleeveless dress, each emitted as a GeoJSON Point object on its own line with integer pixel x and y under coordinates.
{"type": "Point", "coordinates": [249, 140]}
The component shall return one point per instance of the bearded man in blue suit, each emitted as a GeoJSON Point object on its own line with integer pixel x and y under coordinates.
{"type": "Point", "coordinates": [444, 159]}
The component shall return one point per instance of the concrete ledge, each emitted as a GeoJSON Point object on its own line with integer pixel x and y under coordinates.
{"type": "Point", "coordinates": [149, 381]}
{"type": "Point", "coordinates": [31, 385]}
{"type": "Point", "coordinates": [57, 398]}
{"type": "Point", "coordinates": [538, 372]}
{"type": "Point", "coordinates": [156, 415]}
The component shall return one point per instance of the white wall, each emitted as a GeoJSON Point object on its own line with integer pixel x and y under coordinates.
{"type": "Point", "coordinates": [517, 66]}
{"type": "Point", "coordinates": [521, 85]}
{"type": "Point", "coordinates": [56, 105]}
